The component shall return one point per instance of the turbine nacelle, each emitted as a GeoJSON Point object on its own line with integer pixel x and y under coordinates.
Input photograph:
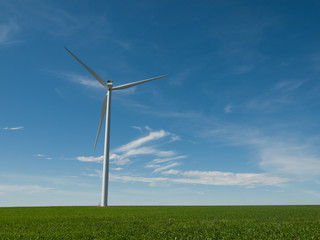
{"type": "Point", "coordinates": [109, 85]}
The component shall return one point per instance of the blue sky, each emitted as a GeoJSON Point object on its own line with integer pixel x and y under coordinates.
{"type": "Point", "coordinates": [235, 122]}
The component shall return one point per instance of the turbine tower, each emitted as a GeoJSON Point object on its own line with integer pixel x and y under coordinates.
{"type": "Point", "coordinates": [106, 107]}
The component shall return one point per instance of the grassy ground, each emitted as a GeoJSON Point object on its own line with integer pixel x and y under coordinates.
{"type": "Point", "coordinates": [207, 222]}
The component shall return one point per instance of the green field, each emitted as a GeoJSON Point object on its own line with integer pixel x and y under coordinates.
{"type": "Point", "coordinates": [201, 222]}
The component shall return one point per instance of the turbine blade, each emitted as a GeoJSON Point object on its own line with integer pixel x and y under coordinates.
{"type": "Point", "coordinates": [103, 112]}
{"type": "Point", "coordinates": [94, 74]}
{"type": "Point", "coordinates": [128, 85]}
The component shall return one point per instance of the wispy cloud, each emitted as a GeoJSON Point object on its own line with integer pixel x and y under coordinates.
{"type": "Point", "coordinates": [8, 32]}
{"type": "Point", "coordinates": [95, 173]}
{"type": "Point", "coordinates": [23, 188]}
{"type": "Point", "coordinates": [242, 69]}
{"type": "Point", "coordinates": [124, 44]}
{"type": "Point", "coordinates": [291, 160]}
{"type": "Point", "coordinates": [269, 103]}
{"type": "Point", "coordinates": [166, 164]}
{"type": "Point", "coordinates": [51, 18]}
{"type": "Point", "coordinates": [140, 106]}
{"type": "Point", "coordinates": [123, 157]}
{"type": "Point", "coordinates": [228, 108]}
{"type": "Point", "coordinates": [152, 136]}
{"type": "Point", "coordinates": [152, 166]}
{"type": "Point", "coordinates": [148, 151]}
{"type": "Point", "coordinates": [146, 145]}
{"type": "Point", "coordinates": [235, 179]}
{"type": "Point", "coordinates": [55, 20]}
{"type": "Point", "coordinates": [13, 128]}
{"type": "Point", "coordinates": [175, 114]}
{"type": "Point", "coordinates": [90, 159]}
{"type": "Point", "coordinates": [162, 160]}
{"type": "Point", "coordinates": [240, 39]}
{"type": "Point", "coordinates": [280, 95]}
{"type": "Point", "coordinates": [119, 159]}
{"type": "Point", "coordinates": [314, 193]}
{"type": "Point", "coordinates": [209, 178]}
{"type": "Point", "coordinates": [165, 167]}
{"type": "Point", "coordinates": [84, 80]}
{"type": "Point", "coordinates": [288, 86]}
{"type": "Point", "coordinates": [161, 164]}
{"type": "Point", "coordinates": [137, 127]}
{"type": "Point", "coordinates": [182, 76]}
{"type": "Point", "coordinates": [160, 168]}
{"type": "Point", "coordinates": [315, 61]}
{"type": "Point", "coordinates": [89, 82]}
{"type": "Point", "coordinates": [137, 179]}
{"type": "Point", "coordinates": [117, 169]}
{"type": "Point", "coordinates": [22, 181]}
{"type": "Point", "coordinates": [43, 156]}
{"type": "Point", "coordinates": [281, 155]}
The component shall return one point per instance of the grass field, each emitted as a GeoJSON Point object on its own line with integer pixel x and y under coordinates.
{"type": "Point", "coordinates": [203, 222]}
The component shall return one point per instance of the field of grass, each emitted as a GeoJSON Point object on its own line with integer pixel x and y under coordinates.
{"type": "Point", "coordinates": [201, 222]}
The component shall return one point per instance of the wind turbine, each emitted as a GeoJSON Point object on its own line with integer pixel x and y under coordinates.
{"type": "Point", "coordinates": [106, 107]}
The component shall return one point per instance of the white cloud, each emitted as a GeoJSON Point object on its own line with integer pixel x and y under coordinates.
{"type": "Point", "coordinates": [137, 127]}
{"type": "Point", "coordinates": [140, 141]}
{"type": "Point", "coordinates": [122, 155]}
{"type": "Point", "coordinates": [44, 156]}
{"type": "Point", "coordinates": [174, 138]}
{"type": "Point", "coordinates": [146, 145]}
{"type": "Point", "coordinates": [171, 172]}
{"type": "Point", "coordinates": [118, 160]}
{"type": "Point", "coordinates": [13, 128]}
{"type": "Point", "coordinates": [16, 128]}
{"type": "Point", "coordinates": [117, 169]}
{"type": "Point", "coordinates": [114, 159]}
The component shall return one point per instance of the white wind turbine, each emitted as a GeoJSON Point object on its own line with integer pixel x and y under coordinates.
{"type": "Point", "coordinates": [106, 106]}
